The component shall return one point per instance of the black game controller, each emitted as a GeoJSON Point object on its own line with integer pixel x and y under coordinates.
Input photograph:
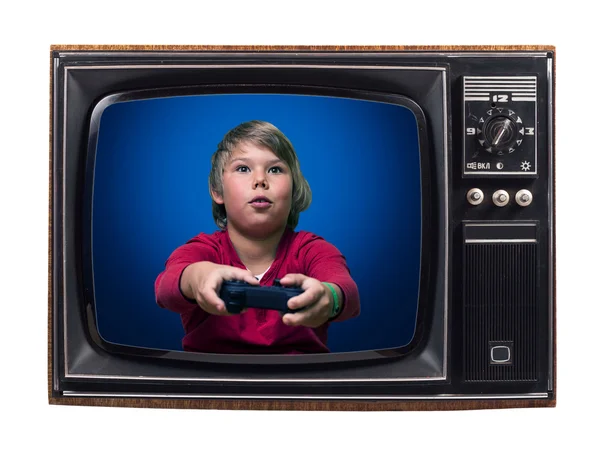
{"type": "Point", "coordinates": [238, 295]}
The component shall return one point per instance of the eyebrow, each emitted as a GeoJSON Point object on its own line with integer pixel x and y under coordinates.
{"type": "Point", "coordinates": [248, 160]}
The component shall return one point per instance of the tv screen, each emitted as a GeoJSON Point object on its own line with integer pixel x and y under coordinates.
{"type": "Point", "coordinates": [300, 228]}
{"type": "Point", "coordinates": [150, 193]}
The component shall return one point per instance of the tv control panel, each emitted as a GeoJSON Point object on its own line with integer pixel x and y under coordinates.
{"type": "Point", "coordinates": [503, 209]}
{"type": "Point", "coordinates": [500, 126]}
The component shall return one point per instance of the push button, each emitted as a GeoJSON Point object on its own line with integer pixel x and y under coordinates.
{"type": "Point", "coordinates": [501, 352]}
{"type": "Point", "coordinates": [523, 197]}
{"type": "Point", "coordinates": [500, 198]}
{"type": "Point", "coordinates": [475, 196]}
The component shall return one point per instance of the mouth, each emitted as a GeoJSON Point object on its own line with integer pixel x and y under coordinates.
{"type": "Point", "coordinates": [260, 200]}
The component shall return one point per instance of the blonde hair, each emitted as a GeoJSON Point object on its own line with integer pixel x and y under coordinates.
{"type": "Point", "coordinates": [266, 135]}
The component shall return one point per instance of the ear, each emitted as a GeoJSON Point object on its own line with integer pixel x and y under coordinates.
{"type": "Point", "coordinates": [217, 197]}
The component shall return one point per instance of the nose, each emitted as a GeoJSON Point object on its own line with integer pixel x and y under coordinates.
{"type": "Point", "coordinates": [261, 181]}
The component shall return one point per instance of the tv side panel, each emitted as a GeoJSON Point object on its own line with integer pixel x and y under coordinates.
{"type": "Point", "coordinates": [503, 234]}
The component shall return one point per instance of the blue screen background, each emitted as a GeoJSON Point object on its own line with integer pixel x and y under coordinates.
{"type": "Point", "coordinates": [360, 158]}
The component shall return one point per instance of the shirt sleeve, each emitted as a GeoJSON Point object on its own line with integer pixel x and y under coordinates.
{"type": "Point", "coordinates": [323, 261]}
{"type": "Point", "coordinates": [166, 287]}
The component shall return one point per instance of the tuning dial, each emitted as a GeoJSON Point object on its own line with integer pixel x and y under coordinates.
{"type": "Point", "coordinates": [501, 132]}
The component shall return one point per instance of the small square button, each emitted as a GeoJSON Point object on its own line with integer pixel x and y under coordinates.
{"type": "Point", "coordinates": [501, 352]}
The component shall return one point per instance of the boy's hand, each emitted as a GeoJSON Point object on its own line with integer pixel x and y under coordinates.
{"type": "Point", "coordinates": [316, 297]}
{"type": "Point", "coordinates": [202, 281]}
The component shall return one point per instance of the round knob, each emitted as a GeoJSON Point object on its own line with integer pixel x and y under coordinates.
{"type": "Point", "coordinates": [500, 133]}
{"type": "Point", "coordinates": [523, 197]}
{"type": "Point", "coordinates": [475, 196]}
{"type": "Point", "coordinates": [500, 198]}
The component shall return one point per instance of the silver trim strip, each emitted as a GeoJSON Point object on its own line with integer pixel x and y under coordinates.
{"type": "Point", "coordinates": [487, 241]}
{"type": "Point", "coordinates": [306, 397]}
{"type": "Point", "coordinates": [484, 82]}
{"type": "Point", "coordinates": [501, 173]}
{"type": "Point", "coordinates": [248, 66]}
{"type": "Point", "coordinates": [220, 379]}
{"type": "Point", "coordinates": [446, 222]}
{"type": "Point", "coordinates": [501, 224]}
{"type": "Point", "coordinates": [498, 86]}
{"type": "Point", "coordinates": [497, 78]}
{"type": "Point", "coordinates": [499, 83]}
{"type": "Point", "coordinates": [55, 152]}
{"type": "Point", "coordinates": [64, 224]}
{"type": "Point", "coordinates": [551, 239]}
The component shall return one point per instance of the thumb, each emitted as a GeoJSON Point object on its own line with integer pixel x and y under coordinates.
{"type": "Point", "coordinates": [292, 279]}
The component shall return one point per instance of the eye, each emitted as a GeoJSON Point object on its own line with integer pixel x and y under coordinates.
{"type": "Point", "coordinates": [276, 169]}
{"type": "Point", "coordinates": [242, 169]}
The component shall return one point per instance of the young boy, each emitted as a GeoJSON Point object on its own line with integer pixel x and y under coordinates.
{"type": "Point", "coordinates": [258, 192]}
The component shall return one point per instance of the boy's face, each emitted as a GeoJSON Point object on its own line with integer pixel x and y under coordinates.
{"type": "Point", "coordinates": [257, 190]}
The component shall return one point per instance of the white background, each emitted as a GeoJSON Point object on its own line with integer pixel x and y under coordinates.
{"type": "Point", "coordinates": [32, 428]}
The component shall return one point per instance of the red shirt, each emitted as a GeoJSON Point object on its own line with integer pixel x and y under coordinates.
{"type": "Point", "coordinates": [256, 331]}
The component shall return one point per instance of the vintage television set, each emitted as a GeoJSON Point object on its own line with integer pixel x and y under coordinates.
{"type": "Point", "coordinates": [431, 169]}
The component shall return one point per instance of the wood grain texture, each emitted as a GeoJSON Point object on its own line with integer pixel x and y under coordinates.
{"type": "Point", "coordinates": [290, 405]}
{"type": "Point", "coordinates": [272, 48]}
{"type": "Point", "coordinates": [300, 405]}
{"type": "Point", "coordinates": [50, 223]}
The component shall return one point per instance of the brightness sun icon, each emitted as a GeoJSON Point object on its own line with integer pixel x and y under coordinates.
{"type": "Point", "coordinates": [525, 166]}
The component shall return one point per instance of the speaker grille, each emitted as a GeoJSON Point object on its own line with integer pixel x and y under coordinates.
{"type": "Point", "coordinates": [500, 300]}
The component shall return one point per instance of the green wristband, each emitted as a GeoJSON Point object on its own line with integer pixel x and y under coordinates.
{"type": "Point", "coordinates": [336, 301]}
